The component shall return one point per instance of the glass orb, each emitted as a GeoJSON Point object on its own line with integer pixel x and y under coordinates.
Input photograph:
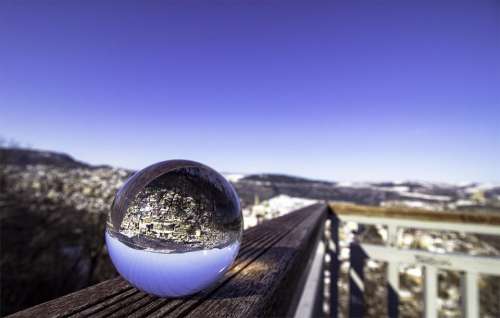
{"type": "Point", "coordinates": [174, 228]}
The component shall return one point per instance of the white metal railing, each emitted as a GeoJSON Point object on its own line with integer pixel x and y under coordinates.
{"type": "Point", "coordinates": [471, 266]}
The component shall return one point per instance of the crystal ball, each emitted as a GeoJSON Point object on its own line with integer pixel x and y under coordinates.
{"type": "Point", "coordinates": [174, 228]}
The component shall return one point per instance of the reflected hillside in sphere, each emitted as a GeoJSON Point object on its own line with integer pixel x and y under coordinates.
{"type": "Point", "coordinates": [174, 228]}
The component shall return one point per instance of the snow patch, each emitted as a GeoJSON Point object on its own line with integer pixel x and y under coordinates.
{"type": "Point", "coordinates": [234, 177]}
{"type": "Point", "coordinates": [273, 208]}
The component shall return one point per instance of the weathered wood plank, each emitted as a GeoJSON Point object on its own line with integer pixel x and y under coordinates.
{"type": "Point", "coordinates": [279, 228]}
{"type": "Point", "coordinates": [106, 303]}
{"type": "Point", "coordinates": [267, 287]}
{"type": "Point", "coordinates": [79, 301]}
{"type": "Point", "coordinates": [253, 242]}
{"type": "Point", "coordinates": [263, 281]}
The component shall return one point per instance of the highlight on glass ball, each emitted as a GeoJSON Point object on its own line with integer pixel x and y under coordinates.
{"type": "Point", "coordinates": [174, 228]}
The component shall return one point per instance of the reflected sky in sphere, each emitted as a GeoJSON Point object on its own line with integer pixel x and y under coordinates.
{"type": "Point", "coordinates": [171, 274]}
{"type": "Point", "coordinates": [174, 228]}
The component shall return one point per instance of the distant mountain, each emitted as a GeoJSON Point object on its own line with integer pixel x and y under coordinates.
{"type": "Point", "coordinates": [282, 178]}
{"type": "Point", "coordinates": [492, 193]}
{"type": "Point", "coordinates": [265, 186]}
{"type": "Point", "coordinates": [24, 157]}
{"type": "Point", "coordinates": [437, 196]}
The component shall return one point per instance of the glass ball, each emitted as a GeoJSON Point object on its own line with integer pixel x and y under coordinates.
{"type": "Point", "coordinates": [174, 228]}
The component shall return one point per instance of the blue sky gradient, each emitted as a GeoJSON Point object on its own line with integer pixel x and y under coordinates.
{"type": "Point", "coordinates": [338, 90]}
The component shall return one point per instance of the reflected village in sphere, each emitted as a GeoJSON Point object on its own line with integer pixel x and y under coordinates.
{"type": "Point", "coordinates": [175, 216]}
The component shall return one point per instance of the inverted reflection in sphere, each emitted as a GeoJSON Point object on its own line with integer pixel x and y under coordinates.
{"type": "Point", "coordinates": [174, 228]}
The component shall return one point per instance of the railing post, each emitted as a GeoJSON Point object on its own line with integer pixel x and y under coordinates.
{"type": "Point", "coordinates": [356, 280]}
{"type": "Point", "coordinates": [430, 294]}
{"type": "Point", "coordinates": [470, 294]}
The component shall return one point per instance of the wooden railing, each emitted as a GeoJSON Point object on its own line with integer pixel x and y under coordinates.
{"type": "Point", "coordinates": [395, 219]}
{"type": "Point", "coordinates": [290, 266]}
{"type": "Point", "coordinates": [265, 281]}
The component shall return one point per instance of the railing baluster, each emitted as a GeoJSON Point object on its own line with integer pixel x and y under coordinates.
{"type": "Point", "coordinates": [356, 280]}
{"type": "Point", "coordinates": [470, 294]}
{"type": "Point", "coordinates": [335, 265]}
{"type": "Point", "coordinates": [393, 289]}
{"type": "Point", "coordinates": [430, 291]}
{"type": "Point", "coordinates": [392, 235]}
{"type": "Point", "coordinates": [392, 275]}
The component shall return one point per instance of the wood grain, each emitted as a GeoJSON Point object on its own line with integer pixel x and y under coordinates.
{"type": "Point", "coordinates": [265, 280]}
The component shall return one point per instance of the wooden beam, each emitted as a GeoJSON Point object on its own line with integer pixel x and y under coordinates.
{"type": "Point", "coordinates": [308, 305]}
{"type": "Point", "coordinates": [476, 228]}
{"type": "Point", "coordinates": [332, 266]}
{"type": "Point", "coordinates": [264, 281]}
{"type": "Point", "coordinates": [457, 262]}
{"type": "Point", "coordinates": [416, 214]}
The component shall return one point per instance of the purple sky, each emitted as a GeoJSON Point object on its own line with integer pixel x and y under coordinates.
{"type": "Point", "coordinates": [340, 90]}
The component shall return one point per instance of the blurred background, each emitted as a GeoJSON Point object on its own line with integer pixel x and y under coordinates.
{"type": "Point", "coordinates": [385, 103]}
